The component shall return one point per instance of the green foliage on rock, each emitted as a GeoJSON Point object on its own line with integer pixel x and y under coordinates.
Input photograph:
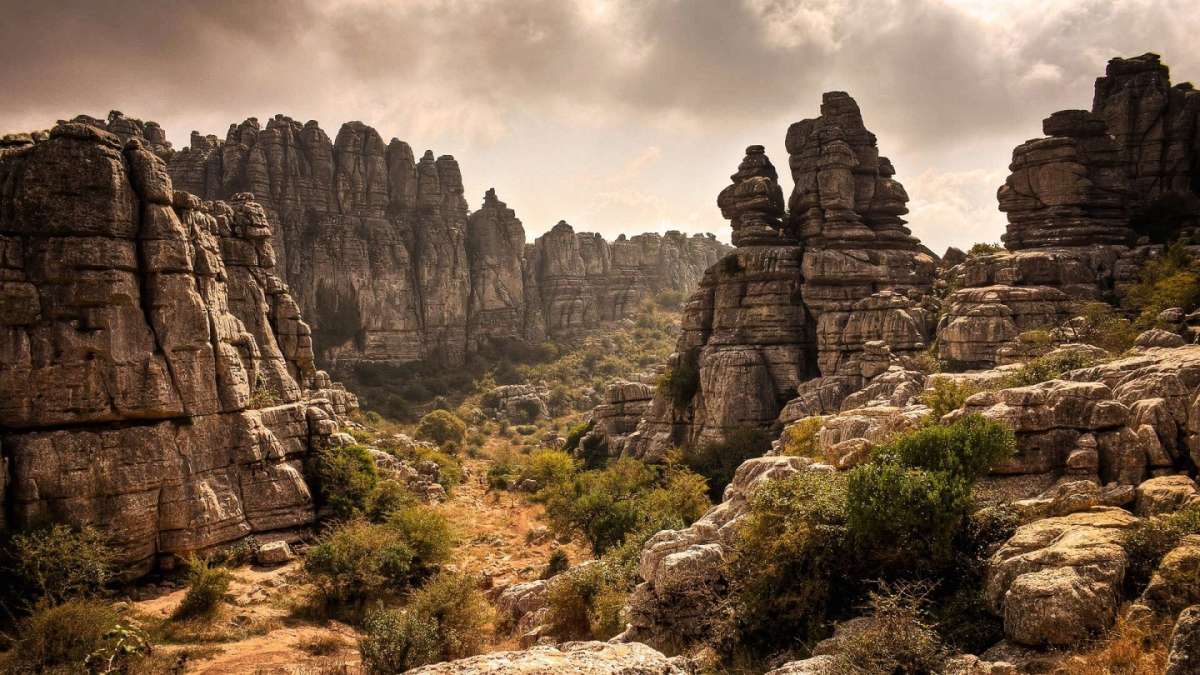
{"type": "Point", "coordinates": [1048, 367]}
{"type": "Point", "coordinates": [681, 381]}
{"type": "Point", "coordinates": [59, 638]}
{"type": "Point", "coordinates": [1150, 539]}
{"type": "Point", "coordinates": [945, 395]}
{"type": "Point", "coordinates": [718, 460]}
{"type": "Point", "coordinates": [1171, 280]}
{"type": "Point", "coordinates": [57, 563]}
{"type": "Point", "coordinates": [343, 479]}
{"type": "Point", "coordinates": [443, 428]}
{"type": "Point", "coordinates": [207, 586]}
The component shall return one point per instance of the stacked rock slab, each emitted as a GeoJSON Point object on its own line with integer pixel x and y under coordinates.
{"type": "Point", "coordinates": [143, 334]}
{"type": "Point", "coordinates": [865, 276]}
{"type": "Point", "coordinates": [837, 293]}
{"type": "Point", "coordinates": [496, 251]}
{"type": "Point", "coordinates": [1083, 205]}
{"type": "Point", "coordinates": [746, 342]}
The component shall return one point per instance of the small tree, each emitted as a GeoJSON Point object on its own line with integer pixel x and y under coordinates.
{"type": "Point", "coordinates": [442, 427]}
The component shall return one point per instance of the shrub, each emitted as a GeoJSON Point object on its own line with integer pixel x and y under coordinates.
{"type": "Point", "coordinates": [207, 587]}
{"type": "Point", "coordinates": [586, 602]}
{"type": "Point", "coordinates": [966, 449]}
{"type": "Point", "coordinates": [1148, 540]}
{"type": "Point", "coordinates": [1171, 280]}
{"type": "Point", "coordinates": [387, 497]}
{"type": "Point", "coordinates": [443, 428]}
{"type": "Point", "coordinates": [59, 638]}
{"type": "Point", "coordinates": [1103, 327]}
{"type": "Point", "coordinates": [557, 564]}
{"type": "Point", "coordinates": [576, 434]}
{"type": "Point", "coordinates": [358, 560]}
{"type": "Point", "coordinates": [681, 381]}
{"type": "Point", "coordinates": [717, 461]}
{"type": "Point", "coordinates": [547, 467]}
{"type": "Point", "coordinates": [1129, 648]}
{"type": "Point", "coordinates": [343, 478]}
{"type": "Point", "coordinates": [396, 640]}
{"type": "Point", "coordinates": [784, 559]}
{"type": "Point", "coordinates": [427, 535]}
{"type": "Point", "coordinates": [606, 505]}
{"type": "Point", "coordinates": [946, 395]}
{"type": "Point", "coordinates": [984, 248]}
{"type": "Point", "coordinates": [57, 563]}
{"type": "Point", "coordinates": [444, 620]}
{"type": "Point", "coordinates": [671, 300]}
{"type": "Point", "coordinates": [802, 438]}
{"type": "Point", "coordinates": [1048, 367]}
{"type": "Point", "coordinates": [895, 637]}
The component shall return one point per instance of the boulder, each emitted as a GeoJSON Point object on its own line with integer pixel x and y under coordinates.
{"type": "Point", "coordinates": [1165, 494]}
{"type": "Point", "coordinates": [577, 658]}
{"type": "Point", "coordinates": [274, 553]}
{"type": "Point", "coordinates": [1173, 584]}
{"type": "Point", "coordinates": [1157, 337]}
{"type": "Point", "coordinates": [1184, 657]}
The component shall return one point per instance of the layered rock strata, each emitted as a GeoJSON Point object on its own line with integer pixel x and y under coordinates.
{"type": "Point", "coordinates": [839, 292]}
{"type": "Point", "coordinates": [387, 264]}
{"type": "Point", "coordinates": [156, 377]}
{"type": "Point", "coordinates": [1086, 206]}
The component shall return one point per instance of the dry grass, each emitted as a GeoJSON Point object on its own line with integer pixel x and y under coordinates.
{"type": "Point", "coordinates": [1130, 648]}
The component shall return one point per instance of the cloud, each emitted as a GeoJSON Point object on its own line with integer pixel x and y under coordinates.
{"type": "Point", "coordinates": [529, 92]}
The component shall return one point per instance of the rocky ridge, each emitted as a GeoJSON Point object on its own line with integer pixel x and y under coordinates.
{"type": "Point", "coordinates": [156, 374]}
{"type": "Point", "coordinates": [388, 263]}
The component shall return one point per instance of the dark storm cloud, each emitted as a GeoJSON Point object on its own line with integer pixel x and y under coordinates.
{"type": "Point", "coordinates": [948, 85]}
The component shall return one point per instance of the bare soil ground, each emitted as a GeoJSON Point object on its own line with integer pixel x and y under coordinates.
{"type": "Point", "coordinates": [502, 536]}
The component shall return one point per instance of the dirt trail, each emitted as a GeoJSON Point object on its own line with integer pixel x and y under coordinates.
{"type": "Point", "coordinates": [495, 540]}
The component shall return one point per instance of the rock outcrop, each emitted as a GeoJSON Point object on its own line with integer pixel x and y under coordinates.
{"type": "Point", "coordinates": [387, 264]}
{"type": "Point", "coordinates": [156, 378]}
{"type": "Point", "coordinates": [839, 292]}
{"type": "Point", "coordinates": [577, 658]}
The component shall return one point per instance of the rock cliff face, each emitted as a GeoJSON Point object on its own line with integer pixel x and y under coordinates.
{"type": "Point", "coordinates": [1086, 206]}
{"type": "Point", "coordinates": [387, 264]}
{"type": "Point", "coordinates": [156, 378]}
{"type": "Point", "coordinates": [803, 305]}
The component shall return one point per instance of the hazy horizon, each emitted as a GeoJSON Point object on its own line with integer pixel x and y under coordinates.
{"type": "Point", "coordinates": [615, 117]}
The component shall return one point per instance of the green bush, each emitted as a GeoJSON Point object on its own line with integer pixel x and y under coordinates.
{"type": "Point", "coordinates": [917, 490]}
{"type": "Point", "coordinates": [343, 478]}
{"type": "Point", "coordinates": [548, 467]}
{"type": "Point", "coordinates": [984, 248]}
{"type": "Point", "coordinates": [1171, 280]}
{"type": "Point", "coordinates": [1148, 540]}
{"type": "Point", "coordinates": [802, 438]}
{"type": "Point", "coordinates": [1048, 367]}
{"type": "Point", "coordinates": [606, 505]}
{"type": "Point", "coordinates": [946, 395]}
{"type": "Point", "coordinates": [443, 428]}
{"type": "Point", "coordinates": [681, 381]}
{"type": "Point", "coordinates": [557, 564]}
{"type": "Point", "coordinates": [357, 560]}
{"type": "Point", "coordinates": [207, 587]}
{"type": "Point", "coordinates": [58, 563]}
{"type": "Point", "coordinates": [387, 497]}
{"type": "Point", "coordinates": [586, 602]}
{"type": "Point", "coordinates": [444, 620]}
{"type": "Point", "coordinates": [785, 559]}
{"type": "Point", "coordinates": [59, 638]}
{"type": "Point", "coordinates": [427, 534]}
{"type": "Point", "coordinates": [717, 461]}
{"type": "Point", "coordinates": [1104, 327]}
{"type": "Point", "coordinates": [576, 434]}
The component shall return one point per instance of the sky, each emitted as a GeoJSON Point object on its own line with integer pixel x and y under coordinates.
{"type": "Point", "coordinates": [618, 117]}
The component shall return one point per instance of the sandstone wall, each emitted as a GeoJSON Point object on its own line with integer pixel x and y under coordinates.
{"type": "Point", "coordinates": [156, 379]}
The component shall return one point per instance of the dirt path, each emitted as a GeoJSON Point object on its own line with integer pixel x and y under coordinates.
{"type": "Point", "coordinates": [502, 536]}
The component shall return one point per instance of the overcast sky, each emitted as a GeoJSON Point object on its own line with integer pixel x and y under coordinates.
{"type": "Point", "coordinates": [614, 116]}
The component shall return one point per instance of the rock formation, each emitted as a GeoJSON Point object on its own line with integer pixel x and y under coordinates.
{"type": "Point", "coordinates": [1086, 206]}
{"type": "Point", "coordinates": [800, 298]}
{"type": "Point", "coordinates": [156, 378]}
{"type": "Point", "coordinates": [388, 266]}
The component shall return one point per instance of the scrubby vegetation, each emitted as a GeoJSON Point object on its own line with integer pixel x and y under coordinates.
{"type": "Point", "coordinates": [802, 438]}
{"type": "Point", "coordinates": [1104, 327]}
{"type": "Point", "coordinates": [812, 543]}
{"type": "Point", "coordinates": [207, 586]}
{"type": "Point", "coordinates": [681, 381]}
{"type": "Point", "coordinates": [606, 505]}
{"type": "Point", "coordinates": [54, 564]}
{"type": "Point", "coordinates": [443, 620]}
{"type": "Point", "coordinates": [342, 479]}
{"type": "Point", "coordinates": [1048, 367]}
{"type": "Point", "coordinates": [59, 638]}
{"type": "Point", "coordinates": [443, 428]}
{"type": "Point", "coordinates": [1171, 280]}
{"type": "Point", "coordinates": [984, 248]}
{"type": "Point", "coordinates": [945, 395]}
{"type": "Point", "coordinates": [1152, 538]}
{"type": "Point", "coordinates": [718, 460]}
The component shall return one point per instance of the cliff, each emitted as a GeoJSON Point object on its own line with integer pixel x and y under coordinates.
{"type": "Point", "coordinates": [387, 263]}
{"type": "Point", "coordinates": [156, 378]}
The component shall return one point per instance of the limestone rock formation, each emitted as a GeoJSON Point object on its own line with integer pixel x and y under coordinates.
{"type": "Point", "coordinates": [386, 263]}
{"type": "Point", "coordinates": [578, 658]}
{"type": "Point", "coordinates": [840, 292]}
{"type": "Point", "coordinates": [156, 377]}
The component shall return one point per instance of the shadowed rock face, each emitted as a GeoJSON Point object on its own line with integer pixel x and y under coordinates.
{"type": "Point", "coordinates": [141, 330]}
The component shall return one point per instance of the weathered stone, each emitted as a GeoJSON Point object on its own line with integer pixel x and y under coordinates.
{"type": "Point", "coordinates": [1173, 584]}
{"type": "Point", "coordinates": [581, 658]}
{"type": "Point", "coordinates": [1165, 494]}
{"type": "Point", "coordinates": [274, 553]}
{"type": "Point", "coordinates": [1184, 657]}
